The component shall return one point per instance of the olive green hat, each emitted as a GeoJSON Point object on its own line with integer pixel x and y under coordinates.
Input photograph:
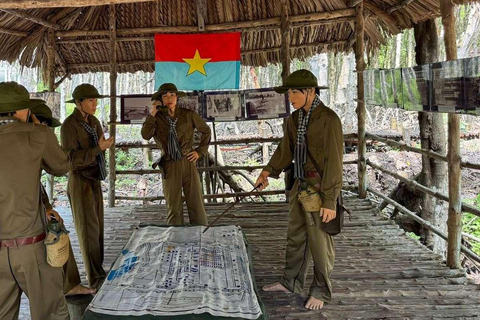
{"type": "Point", "coordinates": [167, 87]}
{"type": "Point", "coordinates": [85, 91]}
{"type": "Point", "coordinates": [14, 96]}
{"type": "Point", "coordinates": [300, 79]}
{"type": "Point", "coordinates": [44, 114]}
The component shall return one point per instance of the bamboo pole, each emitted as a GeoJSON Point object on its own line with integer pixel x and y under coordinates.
{"type": "Point", "coordinates": [454, 170]}
{"type": "Point", "coordinates": [417, 186]}
{"type": "Point", "coordinates": [285, 33]}
{"type": "Point", "coordinates": [210, 196]}
{"type": "Point", "coordinates": [50, 75]}
{"type": "Point", "coordinates": [246, 25]}
{"type": "Point", "coordinates": [204, 169]}
{"type": "Point", "coordinates": [361, 112]}
{"type": "Point", "coordinates": [428, 153]}
{"type": "Point", "coordinates": [399, 6]}
{"type": "Point", "coordinates": [403, 146]}
{"type": "Point", "coordinates": [285, 57]}
{"type": "Point", "coordinates": [35, 19]}
{"type": "Point", "coordinates": [467, 252]}
{"type": "Point", "coordinates": [14, 32]}
{"type": "Point", "coordinates": [33, 4]}
{"type": "Point", "coordinates": [113, 103]}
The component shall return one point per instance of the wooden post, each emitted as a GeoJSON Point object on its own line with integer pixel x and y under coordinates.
{"type": "Point", "coordinates": [113, 103]}
{"type": "Point", "coordinates": [51, 88]}
{"type": "Point", "coordinates": [361, 112]}
{"type": "Point", "coordinates": [453, 155]}
{"type": "Point", "coordinates": [285, 52]}
{"type": "Point", "coordinates": [285, 32]}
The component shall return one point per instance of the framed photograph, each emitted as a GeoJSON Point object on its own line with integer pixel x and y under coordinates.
{"type": "Point", "coordinates": [416, 88]}
{"type": "Point", "coordinates": [372, 88]}
{"type": "Point", "coordinates": [448, 93]}
{"type": "Point", "coordinates": [135, 108]}
{"type": "Point", "coordinates": [266, 104]}
{"type": "Point", "coordinates": [472, 86]}
{"type": "Point", "coordinates": [390, 82]}
{"type": "Point", "coordinates": [192, 101]}
{"type": "Point", "coordinates": [223, 105]}
{"type": "Point", "coordinates": [51, 98]}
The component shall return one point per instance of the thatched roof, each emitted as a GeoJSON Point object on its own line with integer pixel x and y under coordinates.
{"type": "Point", "coordinates": [82, 33]}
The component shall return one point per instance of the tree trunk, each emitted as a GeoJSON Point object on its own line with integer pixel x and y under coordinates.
{"type": "Point", "coordinates": [432, 133]}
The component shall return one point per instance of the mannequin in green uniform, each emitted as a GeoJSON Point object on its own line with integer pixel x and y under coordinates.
{"type": "Point", "coordinates": [318, 129]}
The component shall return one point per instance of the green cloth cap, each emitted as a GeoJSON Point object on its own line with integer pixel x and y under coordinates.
{"type": "Point", "coordinates": [44, 114]}
{"type": "Point", "coordinates": [85, 91]}
{"type": "Point", "coordinates": [14, 97]}
{"type": "Point", "coordinates": [300, 79]}
{"type": "Point", "coordinates": [167, 87]}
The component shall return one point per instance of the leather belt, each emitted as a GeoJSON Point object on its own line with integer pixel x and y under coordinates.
{"type": "Point", "coordinates": [312, 174]}
{"type": "Point", "coordinates": [21, 241]}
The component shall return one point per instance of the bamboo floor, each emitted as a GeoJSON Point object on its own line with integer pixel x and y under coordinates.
{"type": "Point", "coordinates": [379, 273]}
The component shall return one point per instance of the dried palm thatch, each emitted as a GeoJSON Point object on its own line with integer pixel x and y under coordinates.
{"type": "Point", "coordinates": [82, 33]}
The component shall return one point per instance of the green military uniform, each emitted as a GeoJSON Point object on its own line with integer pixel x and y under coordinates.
{"type": "Point", "coordinates": [84, 190]}
{"type": "Point", "coordinates": [25, 149]}
{"type": "Point", "coordinates": [70, 268]}
{"type": "Point", "coordinates": [182, 173]}
{"type": "Point", "coordinates": [304, 240]}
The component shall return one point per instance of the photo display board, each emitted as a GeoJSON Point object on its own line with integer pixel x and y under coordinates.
{"type": "Point", "coordinates": [450, 86]}
{"type": "Point", "coordinates": [223, 105]}
{"type": "Point", "coordinates": [416, 88]}
{"type": "Point", "coordinates": [214, 105]}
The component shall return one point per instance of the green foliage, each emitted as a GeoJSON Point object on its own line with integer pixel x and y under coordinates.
{"type": "Point", "coordinates": [127, 161]}
{"type": "Point", "coordinates": [413, 235]}
{"type": "Point", "coordinates": [471, 224]}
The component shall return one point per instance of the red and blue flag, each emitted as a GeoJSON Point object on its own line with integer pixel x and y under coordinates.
{"type": "Point", "coordinates": [204, 61]}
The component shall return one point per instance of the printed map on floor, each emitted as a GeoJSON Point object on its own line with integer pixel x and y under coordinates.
{"type": "Point", "coordinates": [165, 271]}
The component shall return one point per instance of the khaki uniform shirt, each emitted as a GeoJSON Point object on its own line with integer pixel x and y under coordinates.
{"type": "Point", "coordinates": [25, 149]}
{"type": "Point", "coordinates": [325, 143]}
{"type": "Point", "coordinates": [76, 142]}
{"type": "Point", "coordinates": [188, 120]}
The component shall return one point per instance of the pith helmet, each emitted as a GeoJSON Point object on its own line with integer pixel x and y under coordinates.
{"type": "Point", "coordinates": [85, 91]}
{"type": "Point", "coordinates": [167, 87]}
{"type": "Point", "coordinates": [44, 114]}
{"type": "Point", "coordinates": [300, 79]}
{"type": "Point", "coordinates": [14, 96]}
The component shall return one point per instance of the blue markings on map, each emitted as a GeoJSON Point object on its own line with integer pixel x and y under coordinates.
{"type": "Point", "coordinates": [128, 263]}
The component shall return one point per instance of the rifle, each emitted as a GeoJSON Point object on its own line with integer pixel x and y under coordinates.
{"type": "Point", "coordinates": [228, 209]}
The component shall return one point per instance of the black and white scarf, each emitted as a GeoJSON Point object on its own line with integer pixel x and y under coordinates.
{"type": "Point", "coordinates": [94, 143]}
{"type": "Point", "coordinates": [300, 153]}
{"type": "Point", "coordinates": [4, 121]}
{"type": "Point", "coordinates": [173, 145]}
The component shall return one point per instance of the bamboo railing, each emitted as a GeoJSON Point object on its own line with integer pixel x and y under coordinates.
{"type": "Point", "coordinates": [419, 187]}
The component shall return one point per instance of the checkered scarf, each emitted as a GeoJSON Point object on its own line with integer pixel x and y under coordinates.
{"type": "Point", "coordinates": [4, 121]}
{"type": "Point", "coordinates": [300, 153]}
{"type": "Point", "coordinates": [173, 145]}
{"type": "Point", "coordinates": [94, 143]}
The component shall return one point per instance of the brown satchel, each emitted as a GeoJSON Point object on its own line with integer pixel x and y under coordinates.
{"type": "Point", "coordinates": [335, 226]}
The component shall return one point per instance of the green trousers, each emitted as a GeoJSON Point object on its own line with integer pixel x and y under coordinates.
{"type": "Point", "coordinates": [86, 201]}
{"type": "Point", "coordinates": [183, 174]}
{"type": "Point", "coordinates": [305, 239]}
{"type": "Point", "coordinates": [25, 269]}
{"type": "Point", "coordinates": [70, 271]}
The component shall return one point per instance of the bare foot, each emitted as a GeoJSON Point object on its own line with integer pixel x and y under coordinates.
{"type": "Point", "coordinates": [81, 290]}
{"type": "Point", "coordinates": [314, 304]}
{"type": "Point", "coordinates": [275, 287]}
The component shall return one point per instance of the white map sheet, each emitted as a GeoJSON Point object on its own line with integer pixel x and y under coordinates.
{"type": "Point", "coordinates": [166, 271]}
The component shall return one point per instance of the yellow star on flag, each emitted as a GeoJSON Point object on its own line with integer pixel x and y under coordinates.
{"type": "Point", "coordinates": [197, 64]}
